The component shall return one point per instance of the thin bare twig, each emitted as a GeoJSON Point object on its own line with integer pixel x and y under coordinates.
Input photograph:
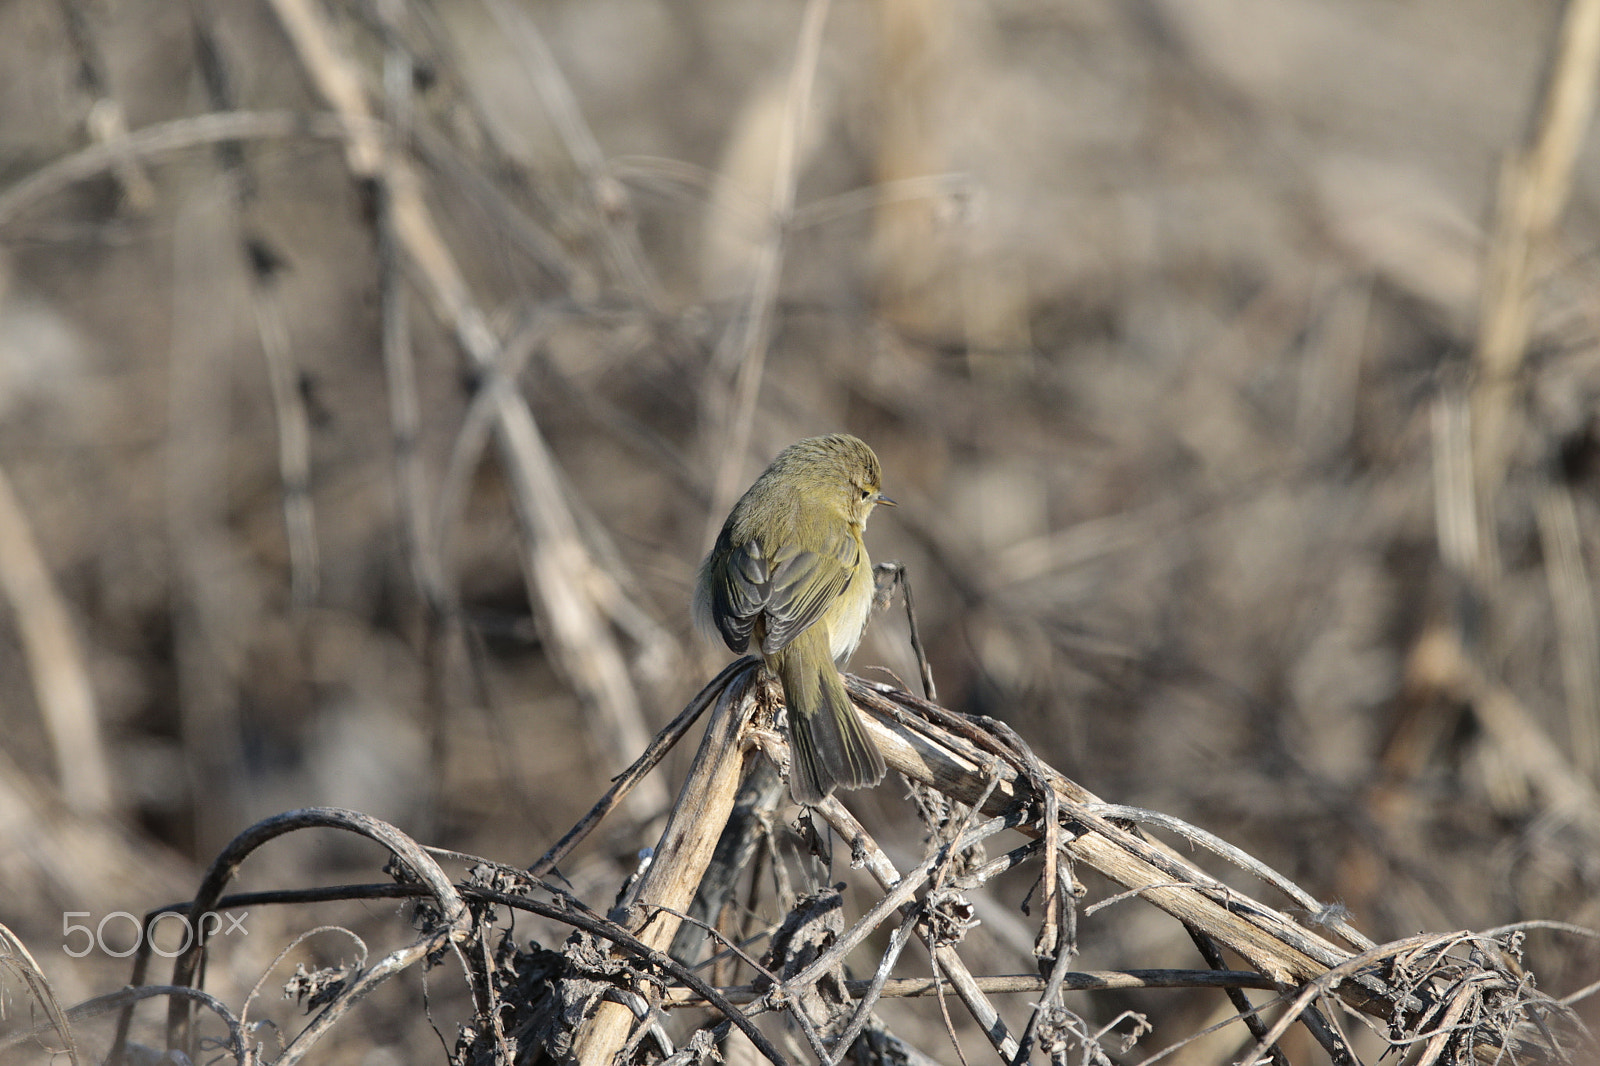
{"type": "Point", "coordinates": [1247, 1012]}
{"type": "Point", "coordinates": [1321, 912]}
{"type": "Point", "coordinates": [272, 330]}
{"type": "Point", "coordinates": [178, 135]}
{"type": "Point", "coordinates": [898, 578]}
{"type": "Point", "coordinates": [14, 955]}
{"type": "Point", "coordinates": [255, 990]}
{"type": "Point", "coordinates": [944, 956]}
{"type": "Point", "coordinates": [1005, 984]}
{"type": "Point", "coordinates": [605, 196]}
{"type": "Point", "coordinates": [625, 781]}
{"type": "Point", "coordinates": [451, 906]}
{"type": "Point", "coordinates": [125, 999]}
{"type": "Point", "coordinates": [870, 995]}
{"type": "Point", "coordinates": [107, 120]}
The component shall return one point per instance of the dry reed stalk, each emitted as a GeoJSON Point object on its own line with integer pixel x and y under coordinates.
{"type": "Point", "coordinates": [560, 570]}
{"type": "Point", "coordinates": [212, 614]}
{"type": "Point", "coordinates": [606, 199]}
{"type": "Point", "coordinates": [742, 350]}
{"type": "Point", "coordinates": [55, 661]}
{"type": "Point", "coordinates": [1534, 187]}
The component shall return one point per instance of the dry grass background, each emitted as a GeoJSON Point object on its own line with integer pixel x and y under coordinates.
{"type": "Point", "coordinates": [336, 474]}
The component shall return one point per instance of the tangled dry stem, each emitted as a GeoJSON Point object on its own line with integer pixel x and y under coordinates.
{"type": "Point", "coordinates": [607, 994]}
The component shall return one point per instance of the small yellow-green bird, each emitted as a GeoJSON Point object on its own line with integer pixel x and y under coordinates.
{"type": "Point", "coordinates": [790, 569]}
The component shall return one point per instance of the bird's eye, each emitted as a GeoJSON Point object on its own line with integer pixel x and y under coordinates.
{"type": "Point", "coordinates": [865, 493]}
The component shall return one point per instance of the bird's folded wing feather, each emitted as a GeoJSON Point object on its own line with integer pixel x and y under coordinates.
{"type": "Point", "coordinates": [803, 585]}
{"type": "Point", "coordinates": [788, 591]}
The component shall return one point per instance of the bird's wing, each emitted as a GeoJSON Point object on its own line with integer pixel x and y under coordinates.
{"type": "Point", "coordinates": [801, 585]}
{"type": "Point", "coordinates": [739, 591]}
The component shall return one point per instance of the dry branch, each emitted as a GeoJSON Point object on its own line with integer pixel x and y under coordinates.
{"type": "Point", "coordinates": [561, 571]}
{"type": "Point", "coordinates": [679, 861]}
{"type": "Point", "coordinates": [1454, 994]}
{"type": "Point", "coordinates": [1407, 985]}
{"type": "Point", "coordinates": [421, 865]}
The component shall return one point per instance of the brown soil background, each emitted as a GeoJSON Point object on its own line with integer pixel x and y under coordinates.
{"type": "Point", "coordinates": [1155, 312]}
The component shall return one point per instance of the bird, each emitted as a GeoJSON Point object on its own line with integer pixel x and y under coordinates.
{"type": "Point", "coordinates": [790, 572]}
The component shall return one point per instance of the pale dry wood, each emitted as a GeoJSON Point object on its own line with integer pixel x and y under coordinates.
{"type": "Point", "coordinates": [1272, 942]}
{"type": "Point", "coordinates": [336, 80]}
{"type": "Point", "coordinates": [667, 888]}
{"type": "Point", "coordinates": [55, 661]}
{"type": "Point", "coordinates": [1534, 187]}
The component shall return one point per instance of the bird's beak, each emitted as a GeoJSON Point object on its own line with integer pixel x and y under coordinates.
{"type": "Point", "coordinates": [886, 501]}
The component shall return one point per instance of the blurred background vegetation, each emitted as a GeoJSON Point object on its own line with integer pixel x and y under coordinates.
{"type": "Point", "coordinates": [368, 462]}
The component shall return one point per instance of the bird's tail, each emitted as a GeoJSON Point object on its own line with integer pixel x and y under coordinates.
{"type": "Point", "coordinates": [830, 747]}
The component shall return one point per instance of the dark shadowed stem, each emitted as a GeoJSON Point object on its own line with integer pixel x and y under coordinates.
{"type": "Point", "coordinates": [1241, 1003]}
{"type": "Point", "coordinates": [226, 864]}
{"type": "Point", "coordinates": [896, 573]}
